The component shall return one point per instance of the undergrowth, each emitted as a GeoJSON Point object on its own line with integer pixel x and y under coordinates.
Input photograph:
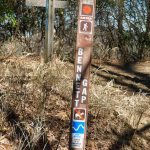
{"type": "Point", "coordinates": [35, 102]}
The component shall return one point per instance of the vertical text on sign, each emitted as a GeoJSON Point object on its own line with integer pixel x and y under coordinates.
{"type": "Point", "coordinates": [81, 83]}
{"type": "Point", "coordinates": [78, 74]}
{"type": "Point", "coordinates": [82, 72]}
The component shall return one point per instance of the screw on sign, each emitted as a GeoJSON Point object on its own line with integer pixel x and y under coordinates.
{"type": "Point", "coordinates": [82, 74]}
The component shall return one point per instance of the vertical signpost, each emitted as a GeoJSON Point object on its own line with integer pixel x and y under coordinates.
{"type": "Point", "coordinates": [49, 31]}
{"type": "Point", "coordinates": [82, 72]}
{"type": "Point", "coordinates": [50, 16]}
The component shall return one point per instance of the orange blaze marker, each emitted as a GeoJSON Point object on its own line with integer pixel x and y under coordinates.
{"type": "Point", "coordinates": [87, 9]}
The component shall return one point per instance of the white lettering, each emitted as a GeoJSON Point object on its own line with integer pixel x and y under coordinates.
{"type": "Point", "coordinates": [84, 18]}
{"type": "Point", "coordinates": [76, 102]}
{"type": "Point", "coordinates": [77, 86]}
{"type": "Point", "coordinates": [78, 77]}
{"type": "Point", "coordinates": [79, 68]}
{"type": "Point", "coordinates": [84, 91]}
{"type": "Point", "coordinates": [79, 60]}
{"type": "Point", "coordinates": [85, 82]}
{"type": "Point", "coordinates": [80, 52]}
{"type": "Point", "coordinates": [77, 94]}
{"type": "Point", "coordinates": [83, 99]}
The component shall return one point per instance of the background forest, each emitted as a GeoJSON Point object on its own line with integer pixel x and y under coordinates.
{"type": "Point", "coordinates": [121, 24]}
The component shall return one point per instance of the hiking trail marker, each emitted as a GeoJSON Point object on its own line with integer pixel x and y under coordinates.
{"type": "Point", "coordinates": [50, 16]}
{"type": "Point", "coordinates": [83, 52]}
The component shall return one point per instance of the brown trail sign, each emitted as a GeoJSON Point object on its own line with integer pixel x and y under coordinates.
{"type": "Point", "coordinates": [50, 15]}
{"type": "Point", "coordinates": [82, 72]}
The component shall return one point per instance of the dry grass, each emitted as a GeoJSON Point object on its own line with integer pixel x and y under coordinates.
{"type": "Point", "coordinates": [35, 104]}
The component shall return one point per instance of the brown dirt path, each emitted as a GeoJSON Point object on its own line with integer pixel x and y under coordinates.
{"type": "Point", "coordinates": [107, 128]}
{"type": "Point", "coordinates": [133, 77]}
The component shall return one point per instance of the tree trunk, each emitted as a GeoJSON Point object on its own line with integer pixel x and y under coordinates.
{"type": "Point", "coordinates": [148, 17]}
{"type": "Point", "coordinates": [120, 17]}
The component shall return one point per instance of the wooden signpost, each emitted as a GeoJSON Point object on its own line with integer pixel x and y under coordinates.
{"type": "Point", "coordinates": [82, 72]}
{"type": "Point", "coordinates": [50, 16]}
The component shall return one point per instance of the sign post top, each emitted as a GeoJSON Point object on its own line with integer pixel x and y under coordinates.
{"type": "Point", "coordinates": [42, 3]}
{"type": "Point", "coordinates": [39, 3]}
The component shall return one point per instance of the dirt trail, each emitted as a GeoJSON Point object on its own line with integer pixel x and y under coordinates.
{"type": "Point", "coordinates": [119, 97]}
{"type": "Point", "coordinates": [133, 77]}
{"type": "Point", "coordinates": [143, 67]}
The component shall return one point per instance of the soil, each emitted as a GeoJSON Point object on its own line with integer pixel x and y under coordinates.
{"type": "Point", "coordinates": [107, 130]}
{"type": "Point", "coordinates": [133, 77]}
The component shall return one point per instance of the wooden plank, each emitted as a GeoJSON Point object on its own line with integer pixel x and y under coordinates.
{"type": "Point", "coordinates": [61, 4]}
{"type": "Point", "coordinates": [49, 31]}
{"type": "Point", "coordinates": [42, 3]}
{"type": "Point", "coordinates": [39, 3]}
{"type": "Point", "coordinates": [50, 15]}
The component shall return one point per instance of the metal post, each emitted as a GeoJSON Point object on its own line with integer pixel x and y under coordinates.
{"type": "Point", "coordinates": [83, 52]}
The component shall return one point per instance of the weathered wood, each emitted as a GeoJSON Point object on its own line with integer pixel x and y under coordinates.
{"type": "Point", "coordinates": [42, 3]}
{"type": "Point", "coordinates": [39, 3]}
{"type": "Point", "coordinates": [49, 30]}
{"type": "Point", "coordinates": [61, 4]}
{"type": "Point", "coordinates": [50, 16]}
{"type": "Point", "coordinates": [83, 51]}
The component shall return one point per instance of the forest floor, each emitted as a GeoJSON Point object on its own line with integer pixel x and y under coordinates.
{"type": "Point", "coordinates": [35, 101]}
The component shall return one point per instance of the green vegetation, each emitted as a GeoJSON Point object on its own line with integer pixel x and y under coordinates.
{"type": "Point", "coordinates": [121, 23]}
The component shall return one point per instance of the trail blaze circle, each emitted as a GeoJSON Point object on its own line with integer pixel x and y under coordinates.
{"type": "Point", "coordinates": [87, 9]}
